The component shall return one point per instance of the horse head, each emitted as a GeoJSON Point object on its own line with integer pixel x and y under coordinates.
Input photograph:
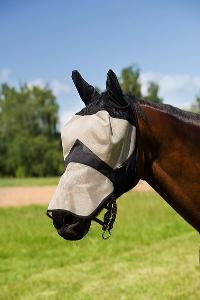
{"type": "Point", "coordinates": [99, 149]}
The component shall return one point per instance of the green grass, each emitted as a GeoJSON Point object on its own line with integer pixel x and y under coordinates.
{"type": "Point", "coordinates": [43, 181]}
{"type": "Point", "coordinates": [152, 255]}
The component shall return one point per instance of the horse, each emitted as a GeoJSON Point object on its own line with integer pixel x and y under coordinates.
{"type": "Point", "coordinates": [166, 155]}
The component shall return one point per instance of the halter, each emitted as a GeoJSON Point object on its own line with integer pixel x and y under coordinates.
{"type": "Point", "coordinates": [109, 218]}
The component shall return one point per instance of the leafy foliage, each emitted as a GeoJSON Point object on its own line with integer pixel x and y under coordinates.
{"type": "Point", "coordinates": [152, 93]}
{"type": "Point", "coordinates": [196, 105]}
{"type": "Point", "coordinates": [30, 143]}
{"type": "Point", "coordinates": [130, 83]}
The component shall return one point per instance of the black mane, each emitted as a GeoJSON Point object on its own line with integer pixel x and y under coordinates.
{"type": "Point", "coordinates": [182, 115]}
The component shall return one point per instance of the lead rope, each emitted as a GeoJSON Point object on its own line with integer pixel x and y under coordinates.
{"type": "Point", "coordinates": [109, 219]}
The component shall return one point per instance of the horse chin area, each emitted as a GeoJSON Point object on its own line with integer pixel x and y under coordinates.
{"type": "Point", "coordinates": [69, 227]}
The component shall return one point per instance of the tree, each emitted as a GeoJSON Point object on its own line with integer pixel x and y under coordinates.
{"type": "Point", "coordinates": [29, 139]}
{"type": "Point", "coordinates": [196, 105]}
{"type": "Point", "coordinates": [130, 81]}
{"type": "Point", "coordinates": [152, 93]}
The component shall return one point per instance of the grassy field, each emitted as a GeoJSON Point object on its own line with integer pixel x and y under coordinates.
{"type": "Point", "coordinates": [14, 182]}
{"type": "Point", "coordinates": [152, 255]}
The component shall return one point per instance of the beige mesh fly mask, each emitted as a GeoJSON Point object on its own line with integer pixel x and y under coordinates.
{"type": "Point", "coordinates": [99, 149]}
{"type": "Point", "coordinates": [95, 148]}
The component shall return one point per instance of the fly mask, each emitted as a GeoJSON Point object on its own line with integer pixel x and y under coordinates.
{"type": "Point", "coordinates": [99, 152]}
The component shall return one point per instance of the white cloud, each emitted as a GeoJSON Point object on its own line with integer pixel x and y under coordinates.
{"type": "Point", "coordinates": [65, 116]}
{"type": "Point", "coordinates": [58, 88]}
{"type": "Point", "coordinates": [179, 90]}
{"type": "Point", "coordinates": [5, 74]}
{"type": "Point", "coordinates": [36, 82]}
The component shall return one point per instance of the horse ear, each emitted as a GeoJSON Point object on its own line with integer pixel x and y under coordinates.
{"type": "Point", "coordinates": [114, 89]}
{"type": "Point", "coordinates": [85, 90]}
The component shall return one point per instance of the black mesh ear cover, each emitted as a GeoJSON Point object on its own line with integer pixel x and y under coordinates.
{"type": "Point", "coordinates": [114, 90]}
{"type": "Point", "coordinates": [85, 90]}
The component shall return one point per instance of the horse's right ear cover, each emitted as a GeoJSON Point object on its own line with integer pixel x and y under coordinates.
{"type": "Point", "coordinates": [85, 90]}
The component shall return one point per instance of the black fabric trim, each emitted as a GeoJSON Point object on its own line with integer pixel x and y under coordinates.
{"type": "Point", "coordinates": [83, 155]}
{"type": "Point", "coordinates": [125, 175]}
{"type": "Point", "coordinates": [114, 114]}
{"type": "Point", "coordinates": [92, 215]}
{"type": "Point", "coordinates": [104, 102]}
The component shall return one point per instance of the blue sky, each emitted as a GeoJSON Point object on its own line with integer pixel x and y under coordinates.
{"type": "Point", "coordinates": [43, 41]}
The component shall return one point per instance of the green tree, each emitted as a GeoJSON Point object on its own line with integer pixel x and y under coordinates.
{"type": "Point", "coordinates": [152, 93]}
{"type": "Point", "coordinates": [30, 143]}
{"type": "Point", "coordinates": [130, 81]}
{"type": "Point", "coordinates": [196, 105]}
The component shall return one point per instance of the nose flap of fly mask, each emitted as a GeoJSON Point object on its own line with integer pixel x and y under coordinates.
{"type": "Point", "coordinates": [80, 190]}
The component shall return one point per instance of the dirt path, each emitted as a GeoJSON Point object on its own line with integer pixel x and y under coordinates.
{"type": "Point", "coordinates": [19, 196]}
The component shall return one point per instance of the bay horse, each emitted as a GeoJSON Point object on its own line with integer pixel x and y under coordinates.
{"type": "Point", "coordinates": [167, 156]}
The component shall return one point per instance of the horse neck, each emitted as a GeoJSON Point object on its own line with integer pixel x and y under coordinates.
{"type": "Point", "coordinates": [171, 161]}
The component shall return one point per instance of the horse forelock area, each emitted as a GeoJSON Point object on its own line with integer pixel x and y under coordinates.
{"type": "Point", "coordinates": [179, 114]}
